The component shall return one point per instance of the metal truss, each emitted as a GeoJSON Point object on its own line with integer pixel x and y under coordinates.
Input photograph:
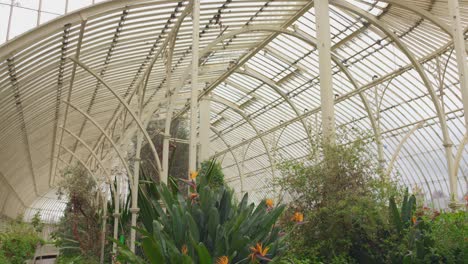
{"type": "Point", "coordinates": [245, 75]}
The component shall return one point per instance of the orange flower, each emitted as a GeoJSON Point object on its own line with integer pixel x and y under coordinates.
{"type": "Point", "coordinates": [193, 175]}
{"type": "Point", "coordinates": [184, 249]}
{"type": "Point", "coordinates": [298, 217]}
{"type": "Point", "coordinates": [193, 197]}
{"type": "Point", "coordinates": [222, 260]}
{"type": "Point", "coordinates": [413, 219]}
{"type": "Point", "coordinates": [269, 203]}
{"type": "Point", "coordinates": [258, 252]}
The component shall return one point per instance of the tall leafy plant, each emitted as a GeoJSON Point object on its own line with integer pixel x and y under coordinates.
{"type": "Point", "coordinates": [208, 225]}
{"type": "Point", "coordinates": [401, 218]}
{"type": "Point", "coordinates": [215, 178]}
{"type": "Point", "coordinates": [414, 233]}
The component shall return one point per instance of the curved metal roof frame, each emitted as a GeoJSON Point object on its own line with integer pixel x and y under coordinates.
{"type": "Point", "coordinates": [394, 74]}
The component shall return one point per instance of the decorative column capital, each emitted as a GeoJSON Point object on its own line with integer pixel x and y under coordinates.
{"type": "Point", "coordinates": [134, 210]}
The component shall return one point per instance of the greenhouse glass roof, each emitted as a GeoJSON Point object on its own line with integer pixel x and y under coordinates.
{"type": "Point", "coordinates": [68, 87]}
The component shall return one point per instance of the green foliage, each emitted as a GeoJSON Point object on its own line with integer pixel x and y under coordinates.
{"type": "Point", "coordinates": [18, 243]}
{"type": "Point", "coordinates": [353, 215]}
{"type": "Point", "coordinates": [76, 259]}
{"type": "Point", "coordinates": [341, 194]}
{"type": "Point", "coordinates": [450, 233]}
{"type": "Point", "coordinates": [401, 219]}
{"type": "Point", "coordinates": [215, 177]}
{"type": "Point", "coordinates": [423, 235]}
{"type": "Point", "coordinates": [3, 258]}
{"type": "Point", "coordinates": [78, 233]}
{"type": "Point", "coordinates": [296, 260]}
{"type": "Point", "coordinates": [36, 222]}
{"type": "Point", "coordinates": [204, 226]}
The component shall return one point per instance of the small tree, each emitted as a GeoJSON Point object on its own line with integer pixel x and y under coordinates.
{"type": "Point", "coordinates": [342, 197]}
{"type": "Point", "coordinates": [79, 230]}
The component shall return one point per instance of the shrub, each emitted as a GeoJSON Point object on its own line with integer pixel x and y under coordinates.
{"type": "Point", "coordinates": [450, 234]}
{"type": "Point", "coordinates": [352, 215]}
{"type": "Point", "coordinates": [342, 195]}
{"type": "Point", "coordinates": [18, 243]}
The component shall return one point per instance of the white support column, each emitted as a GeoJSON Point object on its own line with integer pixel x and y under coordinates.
{"type": "Point", "coordinates": [195, 90]}
{"type": "Point", "coordinates": [165, 152]}
{"type": "Point", "coordinates": [459, 43]}
{"type": "Point", "coordinates": [322, 21]}
{"type": "Point", "coordinates": [116, 214]}
{"type": "Point", "coordinates": [104, 226]}
{"type": "Point", "coordinates": [136, 172]}
{"type": "Point", "coordinates": [205, 107]}
{"type": "Point", "coordinates": [167, 127]}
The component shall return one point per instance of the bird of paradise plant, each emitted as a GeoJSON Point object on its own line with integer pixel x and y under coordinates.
{"type": "Point", "coordinates": [210, 225]}
{"type": "Point", "coordinates": [258, 252]}
{"type": "Point", "coordinates": [269, 203]}
{"type": "Point", "coordinates": [298, 217]}
{"type": "Point", "coordinates": [222, 260]}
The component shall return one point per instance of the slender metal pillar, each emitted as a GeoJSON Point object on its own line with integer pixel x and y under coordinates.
{"type": "Point", "coordinates": [39, 12]}
{"type": "Point", "coordinates": [116, 214]}
{"type": "Point", "coordinates": [459, 43]}
{"type": "Point", "coordinates": [195, 90]}
{"type": "Point", "coordinates": [136, 173]}
{"type": "Point", "coordinates": [10, 18]}
{"type": "Point", "coordinates": [104, 226]}
{"type": "Point", "coordinates": [459, 155]}
{"type": "Point", "coordinates": [205, 124]}
{"type": "Point", "coordinates": [165, 158]}
{"type": "Point", "coordinates": [168, 121]}
{"type": "Point", "coordinates": [165, 152]}
{"type": "Point", "coordinates": [322, 21]}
